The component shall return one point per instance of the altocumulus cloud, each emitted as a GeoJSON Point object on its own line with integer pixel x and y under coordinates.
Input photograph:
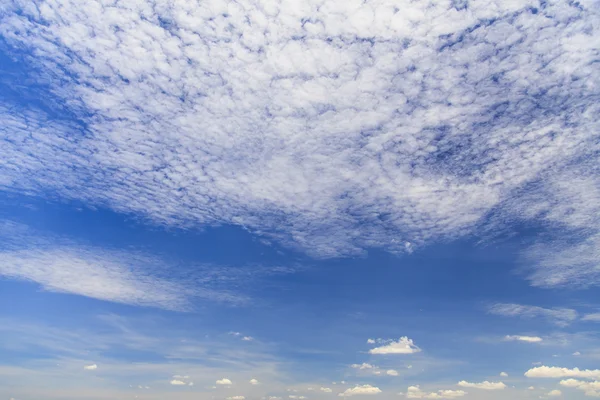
{"type": "Point", "coordinates": [322, 125]}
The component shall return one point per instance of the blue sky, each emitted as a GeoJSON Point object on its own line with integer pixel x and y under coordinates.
{"type": "Point", "coordinates": [271, 200]}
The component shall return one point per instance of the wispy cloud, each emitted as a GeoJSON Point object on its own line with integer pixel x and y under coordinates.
{"type": "Point", "coordinates": [520, 338]}
{"type": "Point", "coordinates": [558, 316]}
{"type": "Point", "coordinates": [485, 385]}
{"type": "Point", "coordinates": [62, 265]}
{"type": "Point", "coordinates": [415, 392]}
{"type": "Point", "coordinates": [327, 135]}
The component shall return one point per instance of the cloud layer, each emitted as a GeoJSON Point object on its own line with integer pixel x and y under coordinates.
{"type": "Point", "coordinates": [330, 126]}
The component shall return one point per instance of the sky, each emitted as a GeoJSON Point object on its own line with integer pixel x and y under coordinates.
{"type": "Point", "coordinates": [285, 200]}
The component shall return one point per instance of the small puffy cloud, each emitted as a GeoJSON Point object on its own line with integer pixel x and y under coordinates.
{"type": "Point", "coordinates": [557, 372]}
{"type": "Point", "coordinates": [360, 390]}
{"type": "Point", "coordinates": [235, 333]}
{"type": "Point", "coordinates": [363, 366]}
{"type": "Point", "coordinates": [392, 372]}
{"type": "Point", "coordinates": [404, 345]}
{"type": "Point", "coordinates": [293, 396]}
{"type": "Point", "coordinates": [554, 393]}
{"type": "Point", "coordinates": [247, 338]}
{"type": "Point", "coordinates": [503, 374]}
{"type": "Point", "coordinates": [483, 385]}
{"type": "Point", "coordinates": [577, 353]}
{"type": "Point", "coordinates": [254, 381]}
{"type": "Point", "coordinates": [236, 398]}
{"type": "Point", "coordinates": [326, 390]}
{"type": "Point", "coordinates": [191, 384]}
{"type": "Point", "coordinates": [223, 381]}
{"type": "Point", "coordinates": [177, 382]}
{"type": "Point", "coordinates": [531, 388]}
{"type": "Point", "coordinates": [371, 341]}
{"type": "Point", "coordinates": [90, 367]}
{"type": "Point", "coordinates": [415, 392]}
{"type": "Point", "coordinates": [520, 338]}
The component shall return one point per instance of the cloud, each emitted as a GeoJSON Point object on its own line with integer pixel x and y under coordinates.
{"type": "Point", "coordinates": [236, 398]}
{"type": "Point", "coordinates": [177, 382]}
{"type": "Point", "coordinates": [529, 339]}
{"type": "Point", "coordinates": [280, 125]}
{"type": "Point", "coordinates": [254, 381]}
{"type": "Point", "coordinates": [61, 265]}
{"type": "Point", "coordinates": [415, 392]}
{"type": "Point", "coordinates": [591, 317]}
{"type": "Point", "coordinates": [591, 389]}
{"type": "Point", "coordinates": [503, 374]}
{"type": "Point", "coordinates": [363, 366]}
{"type": "Point", "coordinates": [326, 390]}
{"type": "Point", "coordinates": [90, 367]}
{"type": "Point", "coordinates": [531, 388]}
{"type": "Point", "coordinates": [247, 338]}
{"type": "Point", "coordinates": [223, 381]}
{"type": "Point", "coordinates": [558, 316]}
{"type": "Point", "coordinates": [554, 393]}
{"type": "Point", "coordinates": [392, 372]}
{"type": "Point", "coordinates": [485, 385]}
{"type": "Point", "coordinates": [360, 390]}
{"type": "Point", "coordinates": [557, 372]}
{"type": "Point", "coordinates": [371, 341]}
{"type": "Point", "coordinates": [576, 353]}
{"type": "Point", "coordinates": [404, 345]}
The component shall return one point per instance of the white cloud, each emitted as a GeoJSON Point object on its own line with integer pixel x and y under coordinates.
{"type": "Point", "coordinates": [404, 345]}
{"type": "Point", "coordinates": [415, 392]}
{"type": "Point", "coordinates": [371, 341]}
{"type": "Point", "coordinates": [590, 388]}
{"type": "Point", "coordinates": [531, 388]}
{"type": "Point", "coordinates": [558, 316]}
{"type": "Point", "coordinates": [519, 338]}
{"type": "Point", "coordinates": [61, 265]}
{"type": "Point", "coordinates": [361, 390]}
{"type": "Point", "coordinates": [576, 353]}
{"type": "Point", "coordinates": [234, 333]}
{"type": "Point", "coordinates": [326, 390]}
{"type": "Point", "coordinates": [189, 123]}
{"type": "Point", "coordinates": [106, 275]}
{"type": "Point", "coordinates": [177, 382]}
{"type": "Point", "coordinates": [483, 385]}
{"type": "Point", "coordinates": [223, 381]}
{"type": "Point", "coordinates": [363, 366]}
{"type": "Point", "coordinates": [557, 372]}
{"type": "Point", "coordinates": [90, 367]}
{"type": "Point", "coordinates": [503, 374]}
{"type": "Point", "coordinates": [554, 393]}
{"type": "Point", "coordinates": [591, 317]}
{"type": "Point", "coordinates": [236, 398]}
{"type": "Point", "coordinates": [247, 338]}
{"type": "Point", "coordinates": [392, 372]}
{"type": "Point", "coordinates": [254, 381]}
